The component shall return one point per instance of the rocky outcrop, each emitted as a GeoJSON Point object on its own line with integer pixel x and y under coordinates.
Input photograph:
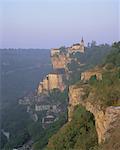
{"type": "Point", "coordinates": [59, 61]}
{"type": "Point", "coordinates": [75, 95]}
{"type": "Point", "coordinates": [85, 76]}
{"type": "Point", "coordinates": [105, 120]}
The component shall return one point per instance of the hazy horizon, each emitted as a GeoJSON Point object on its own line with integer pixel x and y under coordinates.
{"type": "Point", "coordinates": [46, 24]}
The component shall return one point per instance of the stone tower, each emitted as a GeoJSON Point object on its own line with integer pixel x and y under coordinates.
{"type": "Point", "coordinates": [82, 45]}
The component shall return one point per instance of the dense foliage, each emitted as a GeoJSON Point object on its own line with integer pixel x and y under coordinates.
{"type": "Point", "coordinates": [79, 134]}
{"type": "Point", "coordinates": [107, 91]}
{"type": "Point", "coordinates": [44, 136]}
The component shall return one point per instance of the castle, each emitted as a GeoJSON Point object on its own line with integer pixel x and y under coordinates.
{"type": "Point", "coordinates": [50, 82]}
{"type": "Point", "coordinates": [78, 47]}
{"type": "Point", "coordinates": [61, 57]}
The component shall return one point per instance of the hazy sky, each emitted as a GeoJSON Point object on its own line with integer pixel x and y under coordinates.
{"type": "Point", "coordinates": [53, 23]}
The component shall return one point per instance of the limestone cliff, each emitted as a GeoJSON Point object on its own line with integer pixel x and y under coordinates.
{"type": "Point", "coordinates": [85, 76]}
{"type": "Point", "coordinates": [105, 119]}
{"type": "Point", "coordinates": [59, 61]}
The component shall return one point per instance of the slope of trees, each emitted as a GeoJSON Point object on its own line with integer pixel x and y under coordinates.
{"type": "Point", "coordinates": [107, 91]}
{"type": "Point", "coordinates": [79, 134]}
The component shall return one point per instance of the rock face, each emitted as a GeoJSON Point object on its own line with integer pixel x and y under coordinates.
{"type": "Point", "coordinates": [75, 94]}
{"type": "Point", "coordinates": [85, 76]}
{"type": "Point", "coordinates": [59, 61]}
{"type": "Point", "coordinates": [105, 120]}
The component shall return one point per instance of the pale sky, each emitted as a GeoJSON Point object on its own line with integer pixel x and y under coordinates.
{"type": "Point", "coordinates": [54, 23]}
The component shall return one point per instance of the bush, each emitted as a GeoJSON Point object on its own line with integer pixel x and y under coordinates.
{"type": "Point", "coordinates": [80, 133]}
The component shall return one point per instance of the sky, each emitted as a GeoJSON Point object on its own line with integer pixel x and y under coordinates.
{"type": "Point", "coordinates": [55, 23]}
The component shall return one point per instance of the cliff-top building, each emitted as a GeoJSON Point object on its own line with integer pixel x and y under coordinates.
{"type": "Point", "coordinates": [78, 47]}
{"type": "Point", "coordinates": [50, 82]}
{"type": "Point", "coordinates": [60, 59]}
{"type": "Point", "coordinates": [55, 51]}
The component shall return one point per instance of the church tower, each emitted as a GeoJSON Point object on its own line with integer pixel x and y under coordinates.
{"type": "Point", "coordinates": [82, 45]}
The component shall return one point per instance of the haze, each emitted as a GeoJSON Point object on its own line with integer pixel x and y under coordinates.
{"type": "Point", "coordinates": [53, 23]}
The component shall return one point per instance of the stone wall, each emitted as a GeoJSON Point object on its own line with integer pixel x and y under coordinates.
{"type": "Point", "coordinates": [53, 81]}
{"type": "Point", "coordinates": [50, 82]}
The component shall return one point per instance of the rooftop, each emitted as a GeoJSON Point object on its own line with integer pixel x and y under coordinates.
{"type": "Point", "coordinates": [77, 44]}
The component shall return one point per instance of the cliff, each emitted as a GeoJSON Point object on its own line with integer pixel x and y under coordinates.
{"type": "Point", "coordinates": [85, 76]}
{"type": "Point", "coordinates": [60, 56]}
{"type": "Point", "coordinates": [106, 120]}
{"type": "Point", "coordinates": [59, 61]}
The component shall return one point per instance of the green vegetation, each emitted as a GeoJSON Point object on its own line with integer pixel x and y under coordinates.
{"type": "Point", "coordinates": [114, 57]}
{"type": "Point", "coordinates": [3, 139]}
{"type": "Point", "coordinates": [107, 91]}
{"type": "Point", "coordinates": [79, 134]}
{"type": "Point", "coordinates": [21, 74]}
{"type": "Point", "coordinates": [44, 136]}
{"type": "Point", "coordinates": [56, 96]}
{"type": "Point", "coordinates": [63, 50]}
{"type": "Point", "coordinates": [94, 55]}
{"type": "Point", "coordinates": [41, 138]}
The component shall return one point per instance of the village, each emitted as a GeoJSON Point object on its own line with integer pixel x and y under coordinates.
{"type": "Point", "coordinates": [39, 105]}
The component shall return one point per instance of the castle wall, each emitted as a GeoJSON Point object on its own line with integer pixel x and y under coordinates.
{"type": "Point", "coordinates": [45, 84]}
{"type": "Point", "coordinates": [53, 81]}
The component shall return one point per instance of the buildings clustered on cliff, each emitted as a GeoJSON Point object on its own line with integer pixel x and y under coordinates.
{"type": "Point", "coordinates": [60, 58]}
{"type": "Point", "coordinates": [59, 61]}
{"type": "Point", "coordinates": [55, 80]}
{"type": "Point", "coordinates": [78, 47]}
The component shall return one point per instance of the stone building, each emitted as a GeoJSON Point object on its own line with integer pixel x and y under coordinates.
{"type": "Point", "coordinates": [53, 81]}
{"type": "Point", "coordinates": [51, 108]}
{"type": "Point", "coordinates": [78, 47]}
{"type": "Point", "coordinates": [50, 82]}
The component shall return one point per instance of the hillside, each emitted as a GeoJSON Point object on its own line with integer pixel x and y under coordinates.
{"type": "Point", "coordinates": [36, 106]}
{"type": "Point", "coordinates": [72, 67]}
{"type": "Point", "coordinates": [102, 99]}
